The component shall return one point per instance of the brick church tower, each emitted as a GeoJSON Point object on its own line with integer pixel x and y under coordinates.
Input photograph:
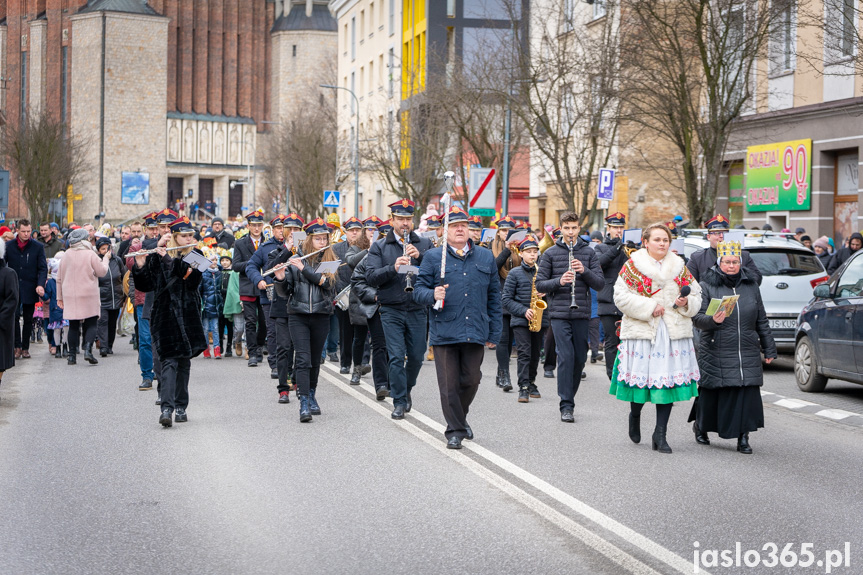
{"type": "Point", "coordinates": [179, 93]}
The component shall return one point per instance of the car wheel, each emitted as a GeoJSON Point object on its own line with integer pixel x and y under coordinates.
{"type": "Point", "coordinates": [806, 367]}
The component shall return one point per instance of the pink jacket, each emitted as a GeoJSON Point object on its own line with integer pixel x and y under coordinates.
{"type": "Point", "coordinates": [78, 283]}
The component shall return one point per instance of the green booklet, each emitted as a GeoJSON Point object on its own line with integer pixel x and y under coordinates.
{"type": "Point", "coordinates": [726, 304]}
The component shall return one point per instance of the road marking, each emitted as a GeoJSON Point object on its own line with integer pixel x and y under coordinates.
{"type": "Point", "coordinates": [791, 403]}
{"type": "Point", "coordinates": [835, 414]}
{"type": "Point", "coordinates": [578, 531]}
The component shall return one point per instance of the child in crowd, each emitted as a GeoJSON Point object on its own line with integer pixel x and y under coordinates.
{"type": "Point", "coordinates": [211, 307]}
{"type": "Point", "coordinates": [226, 320]}
{"type": "Point", "coordinates": [56, 323]}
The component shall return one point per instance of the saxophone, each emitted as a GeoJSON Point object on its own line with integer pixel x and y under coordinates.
{"type": "Point", "coordinates": [537, 304]}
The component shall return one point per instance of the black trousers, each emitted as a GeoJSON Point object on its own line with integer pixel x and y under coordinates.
{"type": "Point", "coordinates": [75, 332]}
{"type": "Point", "coordinates": [229, 324]}
{"type": "Point", "coordinates": [27, 328]}
{"type": "Point", "coordinates": [527, 344]}
{"type": "Point", "coordinates": [284, 352]}
{"type": "Point", "coordinates": [346, 338]}
{"type": "Point", "coordinates": [612, 341]}
{"type": "Point", "coordinates": [174, 389]}
{"type": "Point", "coordinates": [270, 333]}
{"type": "Point", "coordinates": [309, 333]}
{"type": "Point", "coordinates": [570, 338]}
{"type": "Point", "coordinates": [256, 327]}
{"type": "Point", "coordinates": [550, 349]}
{"type": "Point", "coordinates": [503, 351]}
{"type": "Point", "coordinates": [379, 349]}
{"type": "Point", "coordinates": [458, 375]}
{"type": "Point", "coordinates": [593, 335]}
{"type": "Point", "coordinates": [107, 328]}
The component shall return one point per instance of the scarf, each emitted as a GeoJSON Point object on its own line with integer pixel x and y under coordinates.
{"type": "Point", "coordinates": [731, 280]}
{"type": "Point", "coordinates": [22, 245]}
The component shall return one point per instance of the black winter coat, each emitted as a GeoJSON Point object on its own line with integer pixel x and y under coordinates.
{"type": "Point", "coordinates": [704, 260]}
{"type": "Point", "coordinates": [825, 258]}
{"type": "Point", "coordinates": [279, 304]}
{"type": "Point", "coordinates": [31, 267]}
{"type": "Point", "coordinates": [244, 248]}
{"type": "Point", "coordinates": [111, 294]}
{"type": "Point", "coordinates": [839, 258]}
{"type": "Point", "coordinates": [344, 251]}
{"type": "Point", "coordinates": [175, 320]}
{"type": "Point", "coordinates": [611, 256]}
{"type": "Point", "coordinates": [303, 290]}
{"type": "Point", "coordinates": [729, 353]}
{"type": "Point", "coordinates": [8, 307]}
{"type": "Point", "coordinates": [381, 272]}
{"type": "Point", "coordinates": [553, 264]}
{"type": "Point", "coordinates": [210, 288]}
{"type": "Point", "coordinates": [224, 239]}
{"type": "Point", "coordinates": [516, 295]}
{"type": "Point", "coordinates": [363, 301]}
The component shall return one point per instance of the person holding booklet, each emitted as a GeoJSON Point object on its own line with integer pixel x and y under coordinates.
{"type": "Point", "coordinates": [309, 286]}
{"type": "Point", "coordinates": [734, 333]}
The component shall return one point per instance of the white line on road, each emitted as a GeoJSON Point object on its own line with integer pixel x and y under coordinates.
{"type": "Point", "coordinates": [601, 545]}
{"type": "Point", "coordinates": [835, 414]}
{"type": "Point", "coordinates": [791, 403]}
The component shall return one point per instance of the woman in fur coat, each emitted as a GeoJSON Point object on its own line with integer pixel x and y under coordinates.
{"type": "Point", "coordinates": [656, 359]}
{"type": "Point", "coordinates": [175, 321]}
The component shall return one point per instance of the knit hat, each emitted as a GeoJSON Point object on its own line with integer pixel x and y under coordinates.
{"type": "Point", "coordinates": [823, 242]}
{"type": "Point", "coordinates": [79, 235]}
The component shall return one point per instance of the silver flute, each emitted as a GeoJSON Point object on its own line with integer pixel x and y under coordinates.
{"type": "Point", "coordinates": [276, 268]}
{"type": "Point", "coordinates": [154, 250]}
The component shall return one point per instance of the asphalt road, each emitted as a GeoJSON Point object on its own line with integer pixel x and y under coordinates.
{"type": "Point", "coordinates": [90, 483]}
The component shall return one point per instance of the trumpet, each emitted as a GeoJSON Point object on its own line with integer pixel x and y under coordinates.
{"type": "Point", "coordinates": [154, 250]}
{"type": "Point", "coordinates": [278, 267]}
{"type": "Point", "coordinates": [409, 285]}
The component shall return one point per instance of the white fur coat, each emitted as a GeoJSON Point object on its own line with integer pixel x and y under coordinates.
{"type": "Point", "coordinates": [658, 285]}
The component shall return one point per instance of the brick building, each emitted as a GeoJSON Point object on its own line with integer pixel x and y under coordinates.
{"type": "Point", "coordinates": [175, 95]}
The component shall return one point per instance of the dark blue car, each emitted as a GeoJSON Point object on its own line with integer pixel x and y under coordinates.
{"type": "Point", "coordinates": [830, 330]}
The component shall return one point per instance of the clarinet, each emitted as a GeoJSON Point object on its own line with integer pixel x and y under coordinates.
{"type": "Point", "coordinates": [572, 302]}
{"type": "Point", "coordinates": [409, 287]}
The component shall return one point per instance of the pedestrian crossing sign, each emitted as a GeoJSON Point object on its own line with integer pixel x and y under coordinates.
{"type": "Point", "coordinates": [331, 199]}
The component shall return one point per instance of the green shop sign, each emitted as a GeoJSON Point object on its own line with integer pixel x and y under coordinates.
{"type": "Point", "coordinates": [778, 176]}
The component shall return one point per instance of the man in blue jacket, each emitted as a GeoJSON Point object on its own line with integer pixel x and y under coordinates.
{"type": "Point", "coordinates": [254, 271]}
{"type": "Point", "coordinates": [404, 320]}
{"type": "Point", "coordinates": [468, 322]}
{"type": "Point", "coordinates": [27, 257]}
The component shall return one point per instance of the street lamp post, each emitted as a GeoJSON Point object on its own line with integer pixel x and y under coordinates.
{"type": "Point", "coordinates": [356, 147]}
{"type": "Point", "coordinates": [504, 191]}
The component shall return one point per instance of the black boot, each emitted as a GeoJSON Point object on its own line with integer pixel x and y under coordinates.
{"type": "Point", "coordinates": [72, 359]}
{"type": "Point", "coordinates": [507, 384]}
{"type": "Point", "coordinates": [59, 353]}
{"type": "Point", "coordinates": [499, 379]}
{"type": "Point", "coordinates": [305, 410]}
{"type": "Point", "coordinates": [88, 354]}
{"type": "Point", "coordinates": [103, 352]}
{"type": "Point", "coordinates": [635, 427]}
{"type": "Point", "coordinates": [659, 443]}
{"type": "Point", "coordinates": [523, 394]}
{"type": "Point", "coordinates": [743, 444]}
{"type": "Point", "coordinates": [313, 403]}
{"type": "Point", "coordinates": [534, 391]}
{"type": "Point", "coordinates": [700, 436]}
{"type": "Point", "coordinates": [355, 376]}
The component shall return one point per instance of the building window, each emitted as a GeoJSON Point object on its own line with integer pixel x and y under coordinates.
{"type": "Point", "coordinates": [362, 24]}
{"type": "Point", "coordinates": [353, 89]}
{"type": "Point", "coordinates": [841, 32]}
{"type": "Point", "coordinates": [354, 38]}
{"type": "Point", "coordinates": [450, 8]}
{"type": "Point", "coordinates": [392, 17]}
{"type": "Point", "coordinates": [64, 83]}
{"type": "Point", "coordinates": [371, 76]}
{"type": "Point", "coordinates": [598, 9]}
{"type": "Point", "coordinates": [371, 19]}
{"type": "Point", "coordinates": [783, 38]}
{"type": "Point", "coordinates": [294, 50]}
{"type": "Point", "coordinates": [23, 89]}
{"type": "Point", "coordinates": [391, 66]}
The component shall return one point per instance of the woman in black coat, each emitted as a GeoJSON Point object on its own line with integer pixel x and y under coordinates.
{"type": "Point", "coordinates": [310, 304]}
{"type": "Point", "coordinates": [729, 356]}
{"type": "Point", "coordinates": [8, 306]}
{"type": "Point", "coordinates": [364, 312]}
{"type": "Point", "coordinates": [175, 320]}
{"type": "Point", "coordinates": [111, 297]}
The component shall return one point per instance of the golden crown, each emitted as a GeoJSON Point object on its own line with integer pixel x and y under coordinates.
{"type": "Point", "coordinates": [728, 249]}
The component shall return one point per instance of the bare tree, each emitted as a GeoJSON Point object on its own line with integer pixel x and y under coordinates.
{"type": "Point", "coordinates": [45, 157]}
{"type": "Point", "coordinates": [687, 72]}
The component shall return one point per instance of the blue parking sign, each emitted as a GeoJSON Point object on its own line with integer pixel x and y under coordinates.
{"type": "Point", "coordinates": [606, 184]}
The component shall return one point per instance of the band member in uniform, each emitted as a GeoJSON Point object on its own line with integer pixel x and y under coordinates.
{"type": "Point", "coordinates": [310, 303]}
{"type": "Point", "coordinates": [567, 272]}
{"type": "Point", "coordinates": [470, 291]}
{"type": "Point", "coordinates": [474, 227]}
{"type": "Point", "coordinates": [353, 229]}
{"type": "Point", "coordinates": [403, 319]}
{"type": "Point", "coordinates": [365, 314]}
{"type": "Point", "coordinates": [370, 225]}
{"type": "Point", "coordinates": [384, 228]}
{"type": "Point", "coordinates": [256, 265]}
{"type": "Point", "coordinates": [612, 255]}
{"type": "Point", "coordinates": [705, 259]}
{"type": "Point", "coordinates": [550, 360]}
{"type": "Point", "coordinates": [435, 224]}
{"type": "Point", "coordinates": [524, 302]}
{"type": "Point", "coordinates": [279, 310]}
{"type": "Point", "coordinates": [505, 258]}
{"type": "Point", "coordinates": [256, 322]}
{"type": "Point", "coordinates": [176, 315]}
{"type": "Point", "coordinates": [161, 226]}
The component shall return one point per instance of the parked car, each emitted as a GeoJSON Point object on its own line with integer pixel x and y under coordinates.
{"type": "Point", "coordinates": [830, 333]}
{"type": "Point", "coordinates": [791, 271]}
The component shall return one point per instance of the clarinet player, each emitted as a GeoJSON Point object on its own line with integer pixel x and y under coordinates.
{"type": "Point", "coordinates": [567, 272]}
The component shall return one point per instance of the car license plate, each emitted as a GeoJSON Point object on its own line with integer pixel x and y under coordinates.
{"type": "Point", "coordinates": [783, 324]}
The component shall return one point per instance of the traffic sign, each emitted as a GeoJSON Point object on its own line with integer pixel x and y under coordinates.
{"type": "Point", "coordinates": [606, 184]}
{"type": "Point", "coordinates": [482, 191]}
{"type": "Point", "coordinates": [4, 190]}
{"type": "Point", "coordinates": [331, 199]}
{"type": "Point", "coordinates": [2, 217]}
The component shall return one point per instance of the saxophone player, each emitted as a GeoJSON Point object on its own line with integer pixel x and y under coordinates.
{"type": "Point", "coordinates": [525, 304]}
{"type": "Point", "coordinates": [570, 260]}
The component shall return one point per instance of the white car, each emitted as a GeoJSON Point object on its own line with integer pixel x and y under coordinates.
{"type": "Point", "coordinates": [790, 273]}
